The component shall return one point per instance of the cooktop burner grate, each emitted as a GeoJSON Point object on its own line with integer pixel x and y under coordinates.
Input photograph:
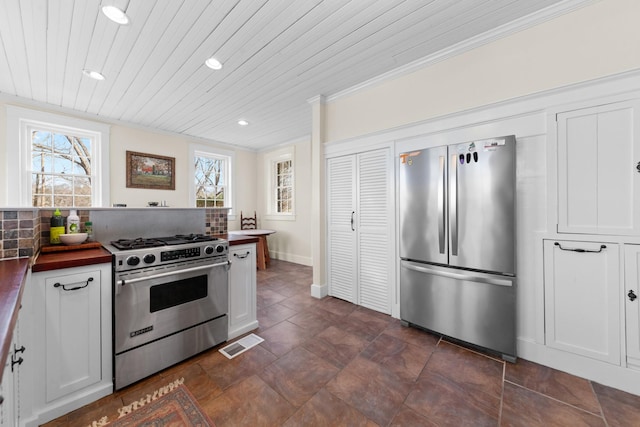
{"type": "Point", "coordinates": [142, 243]}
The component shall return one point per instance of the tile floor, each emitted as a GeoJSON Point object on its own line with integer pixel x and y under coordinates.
{"type": "Point", "coordinates": [330, 363]}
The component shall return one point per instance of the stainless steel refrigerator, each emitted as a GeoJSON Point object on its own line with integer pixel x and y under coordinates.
{"type": "Point", "coordinates": [458, 242]}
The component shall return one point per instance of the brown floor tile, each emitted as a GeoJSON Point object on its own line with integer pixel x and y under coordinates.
{"type": "Point", "coordinates": [248, 403]}
{"type": "Point", "coordinates": [403, 359]}
{"type": "Point", "coordinates": [336, 346]}
{"type": "Point", "coordinates": [523, 407]}
{"type": "Point", "coordinates": [106, 407]}
{"type": "Point", "coordinates": [371, 389]}
{"type": "Point", "coordinates": [411, 335]}
{"type": "Point", "coordinates": [196, 379]}
{"type": "Point", "coordinates": [559, 385]}
{"type": "Point", "coordinates": [337, 306]}
{"type": "Point", "coordinates": [267, 297]}
{"type": "Point", "coordinates": [324, 409]}
{"type": "Point", "coordinates": [300, 301]}
{"type": "Point", "coordinates": [407, 417]}
{"type": "Point", "coordinates": [619, 408]}
{"type": "Point", "coordinates": [475, 372]}
{"type": "Point", "coordinates": [283, 337]}
{"type": "Point", "coordinates": [298, 375]}
{"type": "Point", "coordinates": [311, 321]}
{"type": "Point", "coordinates": [449, 403]}
{"type": "Point", "coordinates": [273, 314]}
{"type": "Point", "coordinates": [226, 372]}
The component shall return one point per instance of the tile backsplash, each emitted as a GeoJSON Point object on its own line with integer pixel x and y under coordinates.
{"type": "Point", "coordinates": [24, 231]}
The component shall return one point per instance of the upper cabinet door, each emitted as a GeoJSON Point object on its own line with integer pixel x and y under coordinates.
{"type": "Point", "coordinates": [599, 169]}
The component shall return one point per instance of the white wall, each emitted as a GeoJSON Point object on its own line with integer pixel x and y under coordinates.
{"type": "Point", "coordinates": [124, 138]}
{"type": "Point", "coordinates": [595, 41]}
{"type": "Point", "coordinates": [292, 240]}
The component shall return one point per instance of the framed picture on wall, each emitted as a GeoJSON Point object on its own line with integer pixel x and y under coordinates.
{"type": "Point", "coordinates": [150, 171]}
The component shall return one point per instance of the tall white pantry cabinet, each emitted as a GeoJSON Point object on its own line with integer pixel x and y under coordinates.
{"type": "Point", "coordinates": [360, 204]}
{"type": "Point", "coordinates": [592, 270]}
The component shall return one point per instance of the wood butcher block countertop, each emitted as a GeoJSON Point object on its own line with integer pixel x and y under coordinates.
{"type": "Point", "coordinates": [236, 239]}
{"type": "Point", "coordinates": [72, 258]}
{"type": "Point", "coordinates": [13, 273]}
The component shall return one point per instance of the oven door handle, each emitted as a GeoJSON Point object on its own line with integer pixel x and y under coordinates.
{"type": "Point", "coordinates": [171, 273]}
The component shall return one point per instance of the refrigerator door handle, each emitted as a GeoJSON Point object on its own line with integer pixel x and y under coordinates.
{"type": "Point", "coordinates": [459, 276]}
{"type": "Point", "coordinates": [441, 204]}
{"type": "Point", "coordinates": [453, 204]}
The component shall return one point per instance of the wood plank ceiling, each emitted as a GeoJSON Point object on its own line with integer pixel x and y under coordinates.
{"type": "Point", "coordinates": [277, 54]}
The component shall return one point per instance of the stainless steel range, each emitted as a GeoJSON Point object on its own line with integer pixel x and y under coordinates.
{"type": "Point", "coordinates": [170, 297]}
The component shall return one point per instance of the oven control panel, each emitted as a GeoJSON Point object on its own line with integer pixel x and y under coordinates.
{"type": "Point", "coordinates": [155, 257]}
{"type": "Point", "coordinates": [180, 254]}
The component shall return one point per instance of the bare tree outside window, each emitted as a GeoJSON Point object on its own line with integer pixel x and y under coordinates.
{"type": "Point", "coordinates": [211, 179]}
{"type": "Point", "coordinates": [61, 169]}
{"type": "Point", "coordinates": [284, 186]}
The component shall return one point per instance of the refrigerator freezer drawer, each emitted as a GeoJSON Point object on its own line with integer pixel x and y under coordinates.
{"type": "Point", "coordinates": [473, 307]}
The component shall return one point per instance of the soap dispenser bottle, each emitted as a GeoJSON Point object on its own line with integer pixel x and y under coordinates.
{"type": "Point", "coordinates": [73, 222]}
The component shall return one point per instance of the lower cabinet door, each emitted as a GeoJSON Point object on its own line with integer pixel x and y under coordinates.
{"type": "Point", "coordinates": [632, 303]}
{"type": "Point", "coordinates": [242, 290]}
{"type": "Point", "coordinates": [73, 333]}
{"type": "Point", "coordinates": [582, 298]}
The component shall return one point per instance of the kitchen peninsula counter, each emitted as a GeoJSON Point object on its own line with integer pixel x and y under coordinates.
{"type": "Point", "coordinates": [236, 239]}
{"type": "Point", "coordinates": [13, 273]}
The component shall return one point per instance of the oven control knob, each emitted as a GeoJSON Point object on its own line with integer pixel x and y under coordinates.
{"type": "Point", "coordinates": [149, 258]}
{"type": "Point", "coordinates": [133, 260]}
{"type": "Point", "coordinates": [208, 250]}
{"type": "Point", "coordinates": [219, 248]}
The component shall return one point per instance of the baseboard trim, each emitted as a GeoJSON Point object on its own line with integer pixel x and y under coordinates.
{"type": "Point", "coordinates": [319, 291]}
{"type": "Point", "coordinates": [243, 329]}
{"type": "Point", "coordinates": [296, 259]}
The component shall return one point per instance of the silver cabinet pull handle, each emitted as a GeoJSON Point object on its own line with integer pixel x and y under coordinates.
{"type": "Point", "coordinates": [352, 213]}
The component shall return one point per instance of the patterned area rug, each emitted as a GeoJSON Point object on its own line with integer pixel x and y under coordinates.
{"type": "Point", "coordinates": [170, 406]}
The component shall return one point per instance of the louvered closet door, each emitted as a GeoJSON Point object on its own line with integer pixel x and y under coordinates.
{"type": "Point", "coordinates": [375, 247]}
{"type": "Point", "coordinates": [341, 245]}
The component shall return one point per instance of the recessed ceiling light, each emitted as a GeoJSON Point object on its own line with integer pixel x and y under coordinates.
{"type": "Point", "coordinates": [243, 122]}
{"type": "Point", "coordinates": [213, 63]}
{"type": "Point", "coordinates": [93, 74]}
{"type": "Point", "coordinates": [115, 14]}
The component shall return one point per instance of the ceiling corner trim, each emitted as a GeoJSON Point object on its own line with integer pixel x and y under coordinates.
{"type": "Point", "coordinates": [502, 31]}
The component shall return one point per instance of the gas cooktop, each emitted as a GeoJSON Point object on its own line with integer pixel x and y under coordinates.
{"type": "Point", "coordinates": [152, 242]}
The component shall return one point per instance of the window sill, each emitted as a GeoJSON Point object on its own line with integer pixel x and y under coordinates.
{"type": "Point", "coordinates": [276, 217]}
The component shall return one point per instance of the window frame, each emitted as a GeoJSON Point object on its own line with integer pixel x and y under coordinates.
{"type": "Point", "coordinates": [20, 122]}
{"type": "Point", "coordinates": [204, 151]}
{"type": "Point", "coordinates": [271, 160]}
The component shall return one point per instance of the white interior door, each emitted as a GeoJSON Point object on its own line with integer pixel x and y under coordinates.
{"type": "Point", "coordinates": [374, 216]}
{"type": "Point", "coordinates": [341, 223]}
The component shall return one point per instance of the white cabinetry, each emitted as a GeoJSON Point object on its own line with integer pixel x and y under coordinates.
{"type": "Point", "coordinates": [242, 290]}
{"type": "Point", "coordinates": [360, 228]}
{"type": "Point", "coordinates": [632, 304]}
{"type": "Point", "coordinates": [599, 169]}
{"type": "Point", "coordinates": [9, 387]}
{"type": "Point", "coordinates": [582, 298]}
{"type": "Point", "coordinates": [72, 309]}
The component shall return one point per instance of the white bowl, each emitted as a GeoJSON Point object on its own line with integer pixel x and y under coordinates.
{"type": "Point", "coordinates": [73, 238]}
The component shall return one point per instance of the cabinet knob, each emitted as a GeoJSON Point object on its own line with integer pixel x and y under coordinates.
{"type": "Point", "coordinates": [632, 296]}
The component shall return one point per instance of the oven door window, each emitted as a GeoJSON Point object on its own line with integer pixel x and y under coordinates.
{"type": "Point", "coordinates": [176, 293]}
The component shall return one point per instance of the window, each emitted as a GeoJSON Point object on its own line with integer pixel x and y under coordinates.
{"type": "Point", "coordinates": [281, 184]}
{"type": "Point", "coordinates": [60, 161]}
{"type": "Point", "coordinates": [212, 178]}
{"type": "Point", "coordinates": [284, 186]}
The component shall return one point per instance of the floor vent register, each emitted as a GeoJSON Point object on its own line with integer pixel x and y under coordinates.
{"type": "Point", "coordinates": [240, 346]}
